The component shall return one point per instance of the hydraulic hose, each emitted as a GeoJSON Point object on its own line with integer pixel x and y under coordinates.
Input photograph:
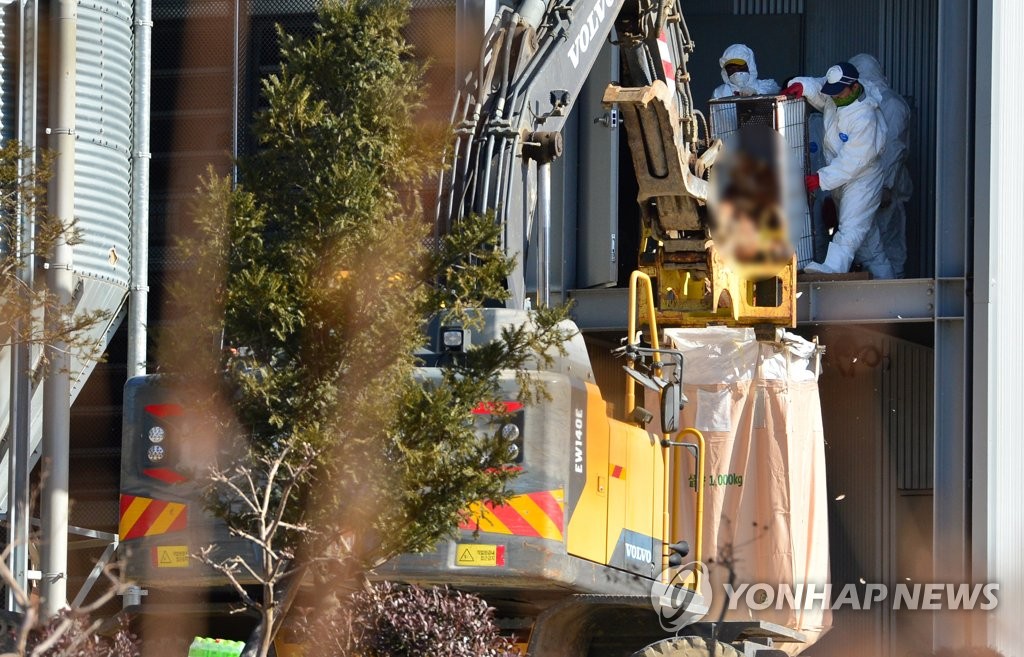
{"type": "Point", "coordinates": [498, 110]}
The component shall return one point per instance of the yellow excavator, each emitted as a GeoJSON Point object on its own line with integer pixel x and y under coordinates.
{"type": "Point", "coordinates": [591, 557]}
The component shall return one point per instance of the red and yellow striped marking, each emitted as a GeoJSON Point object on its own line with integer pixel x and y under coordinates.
{"type": "Point", "coordinates": [538, 515]}
{"type": "Point", "coordinates": [144, 516]}
{"type": "Point", "coordinates": [666, 62]}
{"type": "Point", "coordinates": [497, 408]}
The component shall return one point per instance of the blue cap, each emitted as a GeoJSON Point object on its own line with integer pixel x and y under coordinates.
{"type": "Point", "coordinates": [839, 77]}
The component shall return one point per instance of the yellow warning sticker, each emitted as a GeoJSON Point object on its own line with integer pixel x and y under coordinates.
{"type": "Point", "coordinates": [171, 556]}
{"type": "Point", "coordinates": [474, 554]}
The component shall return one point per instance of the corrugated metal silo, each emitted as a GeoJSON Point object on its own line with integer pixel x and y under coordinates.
{"type": "Point", "coordinates": [103, 132]}
{"type": "Point", "coordinates": [103, 157]}
{"type": "Point", "coordinates": [8, 69]}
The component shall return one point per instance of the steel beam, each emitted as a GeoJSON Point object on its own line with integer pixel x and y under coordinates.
{"type": "Point", "coordinates": [866, 302]}
{"type": "Point", "coordinates": [94, 576]}
{"type": "Point", "coordinates": [826, 302]}
{"type": "Point", "coordinates": [952, 380]}
{"type": "Point", "coordinates": [600, 308]}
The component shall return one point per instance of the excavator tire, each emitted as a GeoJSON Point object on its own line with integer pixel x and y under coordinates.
{"type": "Point", "coordinates": [687, 646]}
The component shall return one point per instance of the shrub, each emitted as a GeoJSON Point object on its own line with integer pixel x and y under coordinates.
{"type": "Point", "coordinates": [66, 635]}
{"type": "Point", "coordinates": [392, 620]}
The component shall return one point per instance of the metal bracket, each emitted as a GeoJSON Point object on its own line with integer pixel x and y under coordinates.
{"type": "Point", "coordinates": [562, 13]}
{"type": "Point", "coordinates": [634, 352]}
{"type": "Point", "coordinates": [501, 128]}
{"type": "Point", "coordinates": [559, 102]}
{"type": "Point", "coordinates": [466, 128]}
{"type": "Point", "coordinates": [610, 119]}
{"type": "Point", "coordinates": [543, 147]}
{"type": "Point", "coordinates": [94, 575]}
{"type": "Point", "coordinates": [132, 596]}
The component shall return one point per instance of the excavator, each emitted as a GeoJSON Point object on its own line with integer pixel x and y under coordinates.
{"type": "Point", "coordinates": [592, 555]}
{"type": "Point", "coordinates": [510, 114]}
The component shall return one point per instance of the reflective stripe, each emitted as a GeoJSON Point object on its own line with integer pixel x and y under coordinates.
{"type": "Point", "coordinates": [538, 519]}
{"type": "Point", "coordinates": [166, 519]}
{"type": "Point", "coordinates": [143, 516]}
{"type": "Point", "coordinates": [129, 516]}
{"type": "Point", "coordinates": [539, 514]}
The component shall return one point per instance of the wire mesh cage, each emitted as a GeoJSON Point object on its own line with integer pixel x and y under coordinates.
{"type": "Point", "coordinates": [787, 117]}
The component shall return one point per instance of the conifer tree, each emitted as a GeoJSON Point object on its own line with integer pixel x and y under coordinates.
{"type": "Point", "coordinates": [309, 285]}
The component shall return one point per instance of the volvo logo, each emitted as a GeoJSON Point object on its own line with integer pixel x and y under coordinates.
{"type": "Point", "coordinates": [589, 31]}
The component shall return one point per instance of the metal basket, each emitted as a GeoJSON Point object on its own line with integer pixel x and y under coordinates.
{"type": "Point", "coordinates": [788, 117]}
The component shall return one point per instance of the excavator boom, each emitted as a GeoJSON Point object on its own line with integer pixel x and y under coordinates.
{"type": "Point", "coordinates": [509, 115]}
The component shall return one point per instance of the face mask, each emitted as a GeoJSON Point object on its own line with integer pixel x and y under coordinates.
{"type": "Point", "coordinates": [843, 102]}
{"type": "Point", "coordinates": [740, 78]}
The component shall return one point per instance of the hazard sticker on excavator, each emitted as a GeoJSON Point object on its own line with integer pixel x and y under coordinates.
{"type": "Point", "coordinates": [171, 556]}
{"type": "Point", "coordinates": [474, 554]}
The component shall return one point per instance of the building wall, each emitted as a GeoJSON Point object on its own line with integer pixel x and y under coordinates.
{"type": "Point", "coordinates": [998, 451]}
{"type": "Point", "coordinates": [876, 402]}
{"type": "Point", "coordinates": [907, 51]}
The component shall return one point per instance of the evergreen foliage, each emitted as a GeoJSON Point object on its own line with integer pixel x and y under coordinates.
{"type": "Point", "coordinates": [305, 299]}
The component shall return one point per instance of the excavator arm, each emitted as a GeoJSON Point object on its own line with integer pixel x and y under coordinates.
{"type": "Point", "coordinates": [535, 57]}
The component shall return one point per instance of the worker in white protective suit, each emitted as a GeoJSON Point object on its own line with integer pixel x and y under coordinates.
{"type": "Point", "coordinates": [853, 143]}
{"type": "Point", "coordinates": [739, 72]}
{"type": "Point", "coordinates": [896, 187]}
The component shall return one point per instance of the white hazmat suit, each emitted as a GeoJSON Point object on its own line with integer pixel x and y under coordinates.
{"type": "Point", "coordinates": [853, 143]}
{"type": "Point", "coordinates": [897, 187]}
{"type": "Point", "coordinates": [743, 83]}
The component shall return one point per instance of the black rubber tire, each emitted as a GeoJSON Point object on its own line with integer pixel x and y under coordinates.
{"type": "Point", "coordinates": [687, 646]}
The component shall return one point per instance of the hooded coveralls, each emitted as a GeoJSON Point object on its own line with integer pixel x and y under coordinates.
{"type": "Point", "coordinates": [744, 83]}
{"type": "Point", "coordinates": [853, 143]}
{"type": "Point", "coordinates": [891, 219]}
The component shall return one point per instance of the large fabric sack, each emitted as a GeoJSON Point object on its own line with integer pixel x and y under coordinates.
{"type": "Point", "coordinates": [765, 505]}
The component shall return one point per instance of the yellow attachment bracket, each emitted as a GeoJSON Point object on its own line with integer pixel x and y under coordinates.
{"type": "Point", "coordinates": [725, 296]}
